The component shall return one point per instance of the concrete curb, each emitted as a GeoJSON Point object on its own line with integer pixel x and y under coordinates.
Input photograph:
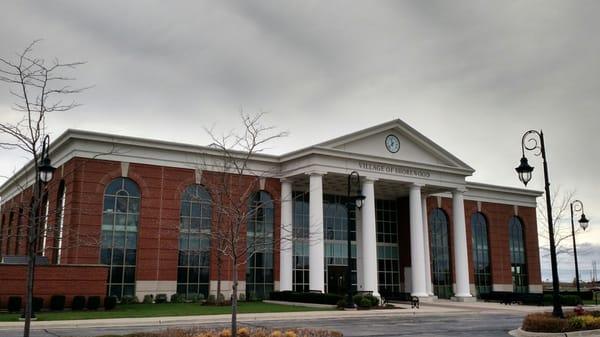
{"type": "Point", "coordinates": [522, 333]}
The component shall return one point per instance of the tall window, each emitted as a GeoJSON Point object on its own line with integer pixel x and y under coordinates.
{"type": "Point", "coordinates": [9, 232]}
{"type": "Point", "coordinates": [259, 275]}
{"type": "Point", "coordinates": [387, 246]}
{"type": "Point", "coordinates": [518, 257]}
{"type": "Point", "coordinates": [194, 241]}
{"type": "Point", "coordinates": [20, 237]}
{"type": "Point", "coordinates": [481, 254]}
{"type": "Point", "coordinates": [2, 235]}
{"type": "Point", "coordinates": [60, 221]}
{"type": "Point", "coordinates": [440, 254]}
{"type": "Point", "coordinates": [120, 220]}
{"type": "Point", "coordinates": [300, 243]}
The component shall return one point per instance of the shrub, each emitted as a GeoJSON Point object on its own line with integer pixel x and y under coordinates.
{"type": "Point", "coordinates": [14, 304]}
{"type": "Point", "coordinates": [128, 299]}
{"type": "Point", "coordinates": [177, 298]}
{"type": "Point", "coordinates": [161, 298]}
{"type": "Point", "coordinates": [57, 302]}
{"type": "Point", "coordinates": [110, 302]}
{"type": "Point", "coordinates": [342, 303]}
{"type": "Point", "coordinates": [374, 300]}
{"type": "Point", "coordinates": [544, 322]}
{"type": "Point", "coordinates": [221, 298]}
{"type": "Point", "coordinates": [252, 296]}
{"type": "Point", "coordinates": [242, 297]}
{"type": "Point", "coordinates": [585, 322]}
{"type": "Point", "coordinates": [93, 303]}
{"type": "Point", "coordinates": [78, 303]}
{"type": "Point", "coordinates": [568, 300]}
{"type": "Point", "coordinates": [364, 303]}
{"type": "Point", "coordinates": [225, 333]}
{"type": "Point", "coordinates": [148, 299]}
{"type": "Point", "coordinates": [196, 298]}
{"type": "Point", "coordinates": [318, 298]}
{"type": "Point", "coordinates": [212, 299]}
{"type": "Point", "coordinates": [243, 332]}
{"type": "Point", "coordinates": [38, 304]}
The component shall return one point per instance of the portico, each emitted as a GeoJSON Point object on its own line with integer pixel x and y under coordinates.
{"type": "Point", "coordinates": [403, 179]}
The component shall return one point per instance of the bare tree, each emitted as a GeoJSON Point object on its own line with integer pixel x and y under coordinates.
{"type": "Point", "coordinates": [234, 203]}
{"type": "Point", "coordinates": [561, 201]}
{"type": "Point", "coordinates": [40, 87]}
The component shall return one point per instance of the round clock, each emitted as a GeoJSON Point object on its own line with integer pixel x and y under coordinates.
{"type": "Point", "coordinates": [392, 143]}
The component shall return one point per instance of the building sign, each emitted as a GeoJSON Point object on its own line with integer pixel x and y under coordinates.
{"type": "Point", "coordinates": [393, 169]}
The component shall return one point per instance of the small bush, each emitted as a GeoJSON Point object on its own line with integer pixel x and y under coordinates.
{"type": "Point", "coordinates": [212, 299]}
{"type": "Point", "coordinates": [128, 299]}
{"type": "Point", "coordinates": [78, 303]}
{"type": "Point", "coordinates": [148, 299]}
{"type": "Point", "coordinates": [242, 297]}
{"type": "Point", "coordinates": [38, 304]}
{"type": "Point", "coordinates": [57, 302]}
{"type": "Point", "coordinates": [221, 298]}
{"type": "Point", "coordinates": [93, 303]}
{"type": "Point", "coordinates": [364, 303]}
{"type": "Point", "coordinates": [342, 303]}
{"type": "Point", "coordinates": [110, 302]}
{"type": "Point", "coordinates": [14, 304]}
{"type": "Point", "coordinates": [196, 298]}
{"type": "Point", "coordinates": [544, 322]}
{"type": "Point", "coordinates": [374, 300]}
{"type": "Point", "coordinates": [568, 300]}
{"type": "Point", "coordinates": [177, 298]}
{"type": "Point", "coordinates": [243, 332]}
{"type": "Point", "coordinates": [318, 298]}
{"type": "Point", "coordinates": [585, 322]}
{"type": "Point", "coordinates": [252, 296]}
{"type": "Point", "coordinates": [161, 298]}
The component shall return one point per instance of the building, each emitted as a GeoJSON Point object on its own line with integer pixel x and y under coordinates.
{"type": "Point", "coordinates": [423, 228]}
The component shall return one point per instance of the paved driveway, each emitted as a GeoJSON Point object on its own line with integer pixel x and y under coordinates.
{"type": "Point", "coordinates": [470, 324]}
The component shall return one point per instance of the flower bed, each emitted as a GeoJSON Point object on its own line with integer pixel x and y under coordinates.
{"type": "Point", "coordinates": [242, 332]}
{"type": "Point", "coordinates": [545, 322]}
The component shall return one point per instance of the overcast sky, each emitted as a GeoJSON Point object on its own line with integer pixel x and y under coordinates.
{"type": "Point", "coordinates": [472, 76]}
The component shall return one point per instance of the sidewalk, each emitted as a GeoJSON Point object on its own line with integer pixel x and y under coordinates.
{"type": "Point", "coordinates": [200, 319]}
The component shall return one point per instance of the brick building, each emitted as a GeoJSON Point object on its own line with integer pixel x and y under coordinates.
{"type": "Point", "coordinates": [135, 211]}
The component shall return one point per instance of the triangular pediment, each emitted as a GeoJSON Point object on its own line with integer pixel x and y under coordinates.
{"type": "Point", "coordinates": [414, 146]}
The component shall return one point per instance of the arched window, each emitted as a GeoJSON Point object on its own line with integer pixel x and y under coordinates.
{"type": "Point", "coordinates": [259, 275]}
{"type": "Point", "coordinates": [60, 221]}
{"type": "Point", "coordinates": [518, 257]}
{"type": "Point", "coordinates": [440, 254]}
{"type": "Point", "coordinates": [481, 254]}
{"type": "Point", "coordinates": [2, 235]}
{"type": "Point", "coordinates": [194, 241]}
{"type": "Point", "coordinates": [120, 220]}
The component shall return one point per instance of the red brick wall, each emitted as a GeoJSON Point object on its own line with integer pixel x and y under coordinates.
{"type": "Point", "coordinates": [71, 280]}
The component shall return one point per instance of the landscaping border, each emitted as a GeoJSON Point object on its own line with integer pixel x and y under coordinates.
{"type": "Point", "coordinates": [522, 333]}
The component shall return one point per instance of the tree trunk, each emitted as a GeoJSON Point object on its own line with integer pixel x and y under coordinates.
{"type": "Point", "coordinates": [31, 246]}
{"type": "Point", "coordinates": [234, 296]}
{"type": "Point", "coordinates": [219, 263]}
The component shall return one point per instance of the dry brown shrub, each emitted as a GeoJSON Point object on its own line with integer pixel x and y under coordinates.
{"type": "Point", "coordinates": [544, 322]}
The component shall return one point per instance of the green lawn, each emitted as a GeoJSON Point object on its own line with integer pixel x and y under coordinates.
{"type": "Point", "coordinates": [157, 310]}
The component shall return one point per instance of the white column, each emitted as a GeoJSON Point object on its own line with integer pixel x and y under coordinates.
{"type": "Point", "coordinates": [461, 261]}
{"type": "Point", "coordinates": [417, 250]}
{"type": "Point", "coordinates": [286, 258]}
{"type": "Point", "coordinates": [316, 251]}
{"type": "Point", "coordinates": [369, 238]}
{"type": "Point", "coordinates": [360, 281]}
{"type": "Point", "coordinates": [428, 284]}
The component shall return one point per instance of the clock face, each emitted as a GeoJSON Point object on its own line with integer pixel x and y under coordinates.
{"type": "Point", "coordinates": [392, 143]}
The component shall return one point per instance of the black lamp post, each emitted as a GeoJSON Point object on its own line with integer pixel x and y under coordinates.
{"type": "Point", "coordinates": [353, 201]}
{"type": "Point", "coordinates": [45, 172]}
{"type": "Point", "coordinates": [577, 206]}
{"type": "Point", "coordinates": [524, 171]}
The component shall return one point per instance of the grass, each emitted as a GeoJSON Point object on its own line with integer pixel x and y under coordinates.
{"type": "Point", "coordinates": [160, 310]}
